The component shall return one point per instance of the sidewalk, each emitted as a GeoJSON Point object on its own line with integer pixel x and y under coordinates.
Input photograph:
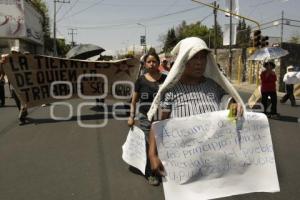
{"type": "Point", "coordinates": [249, 88]}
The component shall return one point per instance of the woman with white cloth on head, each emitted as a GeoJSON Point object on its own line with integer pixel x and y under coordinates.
{"type": "Point", "coordinates": [193, 86]}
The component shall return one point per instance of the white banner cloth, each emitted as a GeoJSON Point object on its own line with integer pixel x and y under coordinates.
{"type": "Point", "coordinates": [226, 34]}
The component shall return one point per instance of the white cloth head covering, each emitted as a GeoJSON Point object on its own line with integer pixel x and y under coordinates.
{"type": "Point", "coordinates": [289, 67]}
{"type": "Point", "coordinates": [15, 49]}
{"type": "Point", "coordinates": [184, 51]}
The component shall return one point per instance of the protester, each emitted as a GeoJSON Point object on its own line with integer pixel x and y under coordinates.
{"type": "Point", "coordinates": [290, 78]}
{"type": "Point", "coordinates": [22, 107]}
{"type": "Point", "coordinates": [142, 69]}
{"type": "Point", "coordinates": [163, 67]}
{"type": "Point", "coordinates": [145, 89]}
{"type": "Point", "coordinates": [268, 89]}
{"type": "Point", "coordinates": [192, 87]}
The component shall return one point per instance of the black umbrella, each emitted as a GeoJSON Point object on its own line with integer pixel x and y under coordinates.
{"type": "Point", "coordinates": [84, 51]}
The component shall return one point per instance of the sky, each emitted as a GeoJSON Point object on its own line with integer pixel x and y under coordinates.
{"type": "Point", "coordinates": [116, 25]}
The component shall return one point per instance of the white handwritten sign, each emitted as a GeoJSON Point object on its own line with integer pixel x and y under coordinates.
{"type": "Point", "coordinates": [207, 156]}
{"type": "Point", "coordinates": [134, 149]}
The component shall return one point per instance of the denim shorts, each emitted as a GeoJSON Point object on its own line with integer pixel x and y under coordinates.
{"type": "Point", "coordinates": [144, 124]}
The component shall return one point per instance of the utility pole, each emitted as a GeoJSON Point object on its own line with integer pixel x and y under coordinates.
{"type": "Point", "coordinates": [281, 35]}
{"type": "Point", "coordinates": [54, 25]}
{"type": "Point", "coordinates": [215, 35]}
{"type": "Point", "coordinates": [229, 12]}
{"type": "Point", "coordinates": [230, 42]}
{"type": "Point", "coordinates": [72, 33]}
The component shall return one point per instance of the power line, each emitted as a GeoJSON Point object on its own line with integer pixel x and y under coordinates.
{"type": "Point", "coordinates": [293, 20]}
{"type": "Point", "coordinates": [141, 20]}
{"type": "Point", "coordinates": [278, 25]}
{"type": "Point", "coordinates": [277, 20]}
{"type": "Point", "coordinates": [54, 24]}
{"type": "Point", "coordinates": [80, 11]}
{"type": "Point", "coordinates": [291, 25]}
{"type": "Point", "coordinates": [68, 10]}
{"type": "Point", "coordinates": [170, 6]}
{"type": "Point", "coordinates": [174, 13]}
{"type": "Point", "coordinates": [262, 3]}
{"type": "Point", "coordinates": [59, 8]}
{"type": "Point", "coordinates": [267, 2]}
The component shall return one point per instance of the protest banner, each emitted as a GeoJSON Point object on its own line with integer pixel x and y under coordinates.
{"type": "Point", "coordinates": [134, 149]}
{"type": "Point", "coordinates": [43, 79]}
{"type": "Point", "coordinates": [207, 156]}
{"type": "Point", "coordinates": [255, 97]}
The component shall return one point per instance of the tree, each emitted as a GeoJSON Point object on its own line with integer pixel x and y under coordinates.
{"type": "Point", "coordinates": [243, 34]}
{"type": "Point", "coordinates": [44, 10]}
{"type": "Point", "coordinates": [185, 30]}
{"type": "Point", "coordinates": [295, 39]}
{"type": "Point", "coordinates": [170, 41]}
{"type": "Point", "coordinates": [219, 36]}
{"type": "Point", "coordinates": [62, 47]}
{"type": "Point", "coordinates": [194, 30]}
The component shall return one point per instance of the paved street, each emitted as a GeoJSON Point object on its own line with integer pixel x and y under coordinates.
{"type": "Point", "coordinates": [58, 160]}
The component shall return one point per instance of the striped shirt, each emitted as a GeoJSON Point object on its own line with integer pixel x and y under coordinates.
{"type": "Point", "coordinates": [191, 99]}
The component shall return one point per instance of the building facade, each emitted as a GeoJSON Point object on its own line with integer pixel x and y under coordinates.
{"type": "Point", "coordinates": [21, 27]}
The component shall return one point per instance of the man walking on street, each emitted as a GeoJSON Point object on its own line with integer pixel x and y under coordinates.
{"type": "Point", "coordinates": [289, 79]}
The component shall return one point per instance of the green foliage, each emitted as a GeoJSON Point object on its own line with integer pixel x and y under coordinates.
{"type": "Point", "coordinates": [41, 5]}
{"type": "Point", "coordinates": [243, 34]}
{"type": "Point", "coordinates": [170, 41]}
{"type": "Point", "coordinates": [62, 47]}
{"type": "Point", "coordinates": [194, 30]}
{"type": "Point", "coordinates": [219, 37]}
{"type": "Point", "coordinates": [295, 39]}
{"type": "Point", "coordinates": [184, 30]}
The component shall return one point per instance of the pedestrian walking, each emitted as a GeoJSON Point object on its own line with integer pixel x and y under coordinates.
{"type": "Point", "coordinates": [145, 90]}
{"type": "Point", "coordinates": [163, 67]}
{"type": "Point", "coordinates": [290, 78]}
{"type": "Point", "coordinates": [268, 89]}
{"type": "Point", "coordinates": [192, 87]}
{"type": "Point", "coordinates": [22, 107]}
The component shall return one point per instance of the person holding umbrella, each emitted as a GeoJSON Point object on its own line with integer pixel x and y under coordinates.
{"type": "Point", "coordinates": [268, 89]}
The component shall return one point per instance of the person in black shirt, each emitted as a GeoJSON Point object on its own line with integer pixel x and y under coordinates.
{"type": "Point", "coordinates": [145, 90]}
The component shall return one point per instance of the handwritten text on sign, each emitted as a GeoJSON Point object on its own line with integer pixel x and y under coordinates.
{"type": "Point", "coordinates": [134, 149]}
{"type": "Point", "coordinates": [208, 150]}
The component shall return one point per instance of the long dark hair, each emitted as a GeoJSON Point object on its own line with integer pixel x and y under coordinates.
{"type": "Point", "coordinates": [152, 53]}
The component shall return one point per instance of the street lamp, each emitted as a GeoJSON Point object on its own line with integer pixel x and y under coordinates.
{"type": "Point", "coordinates": [145, 38]}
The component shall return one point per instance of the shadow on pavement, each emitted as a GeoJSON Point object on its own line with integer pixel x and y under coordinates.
{"type": "Point", "coordinates": [135, 170]}
{"type": "Point", "coordinates": [74, 118]}
{"type": "Point", "coordinates": [288, 119]}
{"type": "Point", "coordinates": [6, 106]}
{"type": "Point", "coordinates": [100, 108]}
